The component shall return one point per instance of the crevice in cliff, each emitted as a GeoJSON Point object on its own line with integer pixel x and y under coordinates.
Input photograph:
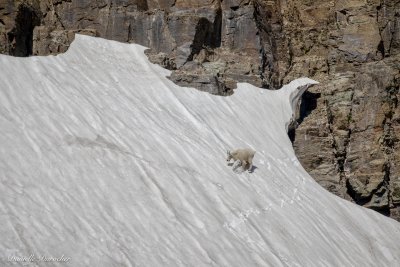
{"type": "Point", "coordinates": [352, 193]}
{"type": "Point", "coordinates": [308, 103]}
{"type": "Point", "coordinates": [108, 18]}
{"type": "Point", "coordinates": [142, 5]}
{"type": "Point", "coordinates": [129, 38]}
{"type": "Point", "coordinates": [386, 184]}
{"type": "Point", "coordinates": [217, 28]}
{"type": "Point", "coordinates": [381, 48]}
{"type": "Point", "coordinates": [340, 153]}
{"type": "Point", "coordinates": [290, 57]}
{"type": "Point", "coordinates": [389, 138]}
{"type": "Point", "coordinates": [388, 25]}
{"type": "Point", "coordinates": [207, 35]}
{"type": "Point", "coordinates": [21, 36]}
{"type": "Point", "coordinates": [57, 3]}
{"type": "Point", "coordinates": [269, 73]}
{"type": "Point", "coordinates": [59, 20]}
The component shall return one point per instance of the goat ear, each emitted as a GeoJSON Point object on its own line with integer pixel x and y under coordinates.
{"type": "Point", "coordinates": [228, 152]}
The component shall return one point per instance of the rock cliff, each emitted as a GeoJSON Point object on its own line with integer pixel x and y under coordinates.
{"type": "Point", "coordinates": [348, 127]}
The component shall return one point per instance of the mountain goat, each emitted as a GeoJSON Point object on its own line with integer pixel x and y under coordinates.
{"type": "Point", "coordinates": [242, 156]}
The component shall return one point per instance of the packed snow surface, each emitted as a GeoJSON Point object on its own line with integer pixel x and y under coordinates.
{"type": "Point", "coordinates": [107, 162]}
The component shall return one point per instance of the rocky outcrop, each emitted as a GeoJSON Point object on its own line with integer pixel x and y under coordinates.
{"type": "Point", "coordinates": [349, 142]}
{"type": "Point", "coordinates": [17, 22]}
{"type": "Point", "coordinates": [348, 129]}
{"type": "Point", "coordinates": [208, 44]}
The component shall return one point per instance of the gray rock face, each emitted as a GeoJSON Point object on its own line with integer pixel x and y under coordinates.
{"type": "Point", "coordinates": [348, 129]}
{"type": "Point", "coordinates": [208, 44]}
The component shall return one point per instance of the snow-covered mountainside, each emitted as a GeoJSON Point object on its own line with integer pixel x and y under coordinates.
{"type": "Point", "coordinates": [107, 162]}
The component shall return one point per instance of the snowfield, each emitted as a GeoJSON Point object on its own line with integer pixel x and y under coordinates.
{"type": "Point", "coordinates": [106, 162]}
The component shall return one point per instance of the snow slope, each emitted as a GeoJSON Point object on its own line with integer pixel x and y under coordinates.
{"type": "Point", "coordinates": [107, 162]}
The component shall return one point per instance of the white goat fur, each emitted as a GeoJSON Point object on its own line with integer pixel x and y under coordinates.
{"type": "Point", "coordinates": [245, 155]}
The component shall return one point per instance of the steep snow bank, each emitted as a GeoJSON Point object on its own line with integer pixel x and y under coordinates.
{"type": "Point", "coordinates": [107, 162]}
